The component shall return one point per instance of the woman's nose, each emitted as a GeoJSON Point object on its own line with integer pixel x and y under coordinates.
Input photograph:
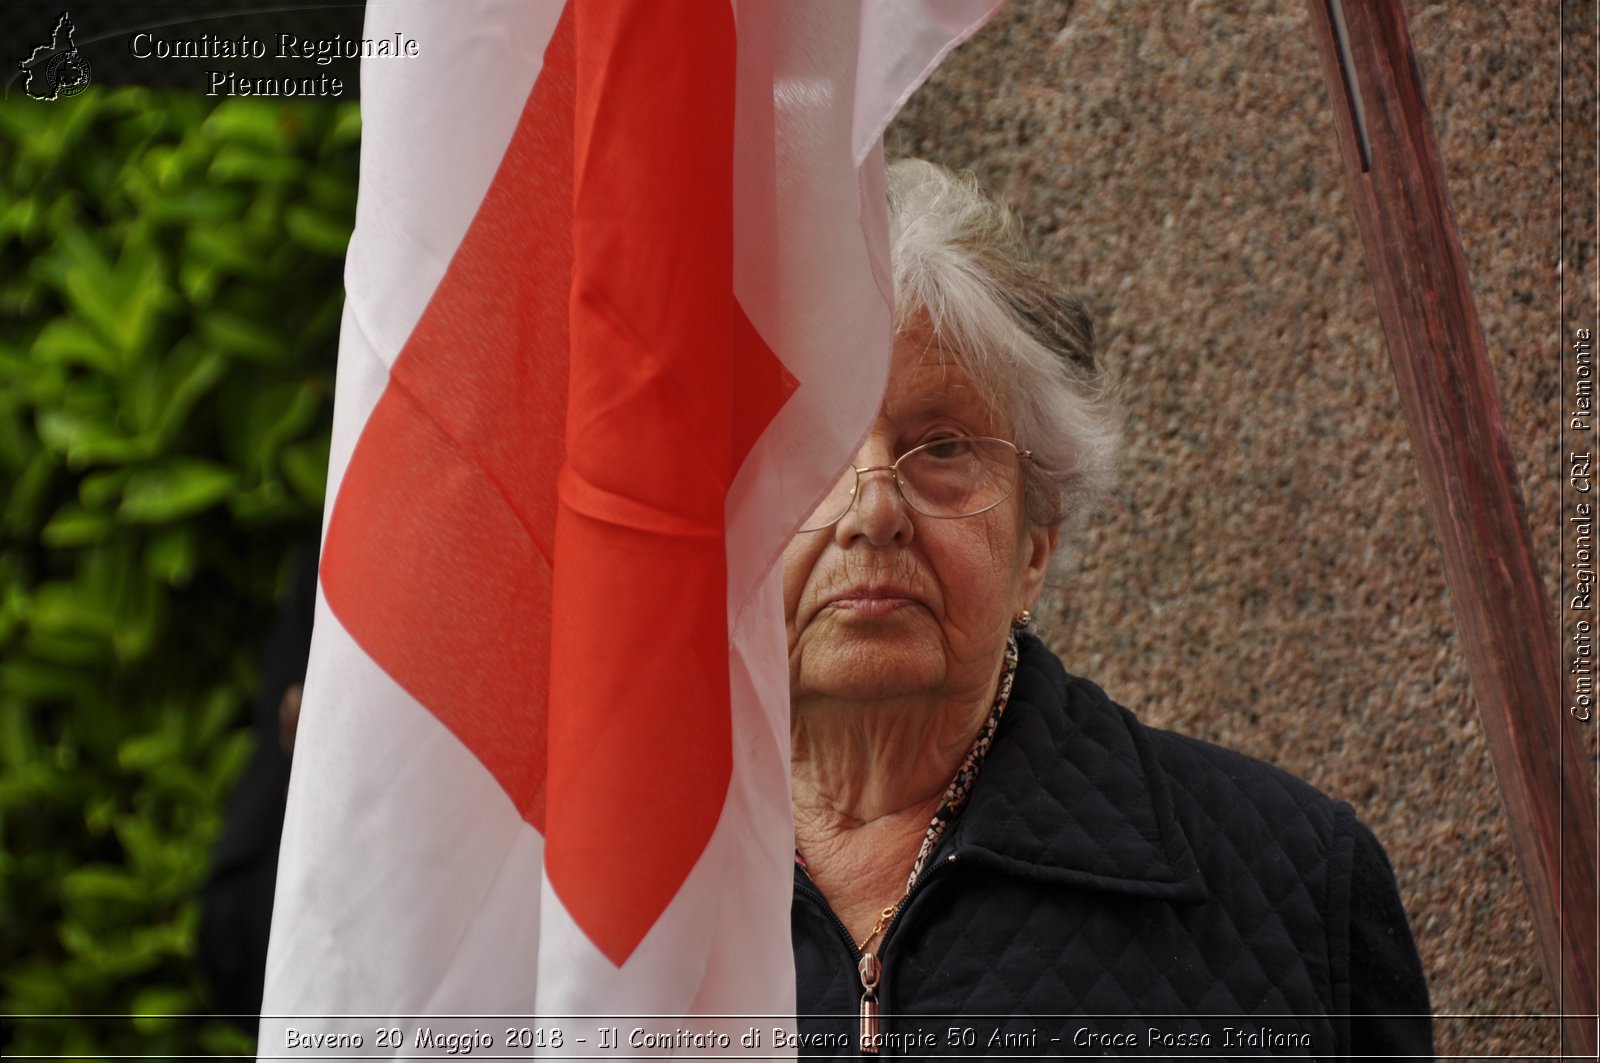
{"type": "Point", "coordinates": [878, 514]}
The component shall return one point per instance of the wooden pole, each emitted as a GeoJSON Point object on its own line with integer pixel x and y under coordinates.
{"type": "Point", "coordinates": [1506, 623]}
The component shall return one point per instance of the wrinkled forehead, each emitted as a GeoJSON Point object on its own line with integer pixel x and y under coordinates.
{"type": "Point", "coordinates": [926, 381]}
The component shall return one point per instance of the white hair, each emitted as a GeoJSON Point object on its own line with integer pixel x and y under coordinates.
{"type": "Point", "coordinates": [962, 269]}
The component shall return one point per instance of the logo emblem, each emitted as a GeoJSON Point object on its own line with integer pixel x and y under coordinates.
{"type": "Point", "coordinates": [56, 70]}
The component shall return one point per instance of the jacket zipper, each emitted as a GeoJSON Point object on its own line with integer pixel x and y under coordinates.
{"type": "Point", "coordinates": [869, 966]}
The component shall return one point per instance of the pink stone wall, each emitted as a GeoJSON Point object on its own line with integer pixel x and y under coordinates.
{"type": "Point", "coordinates": [1266, 576]}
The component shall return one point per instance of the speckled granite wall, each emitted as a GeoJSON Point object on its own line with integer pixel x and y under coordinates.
{"type": "Point", "coordinates": [1266, 576]}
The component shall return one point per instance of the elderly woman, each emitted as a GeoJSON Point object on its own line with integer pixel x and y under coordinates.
{"type": "Point", "coordinates": [993, 856]}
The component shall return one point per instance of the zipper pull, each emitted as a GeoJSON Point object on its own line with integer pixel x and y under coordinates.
{"type": "Point", "coordinates": [869, 969]}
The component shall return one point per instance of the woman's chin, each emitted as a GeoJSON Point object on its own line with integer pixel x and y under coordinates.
{"type": "Point", "coordinates": [870, 662]}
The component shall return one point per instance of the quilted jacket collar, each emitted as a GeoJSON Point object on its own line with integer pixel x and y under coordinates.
{"type": "Point", "coordinates": [1072, 792]}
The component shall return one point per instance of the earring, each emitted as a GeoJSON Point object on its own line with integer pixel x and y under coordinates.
{"type": "Point", "coordinates": [1022, 620]}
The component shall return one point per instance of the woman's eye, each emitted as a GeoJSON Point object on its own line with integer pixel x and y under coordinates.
{"type": "Point", "coordinates": [947, 448]}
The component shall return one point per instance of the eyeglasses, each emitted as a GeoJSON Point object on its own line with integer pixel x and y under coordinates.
{"type": "Point", "coordinates": [944, 478]}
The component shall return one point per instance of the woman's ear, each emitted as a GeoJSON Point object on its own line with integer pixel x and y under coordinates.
{"type": "Point", "coordinates": [1039, 547]}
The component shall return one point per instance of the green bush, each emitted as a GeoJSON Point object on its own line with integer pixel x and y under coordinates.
{"type": "Point", "coordinates": [169, 306]}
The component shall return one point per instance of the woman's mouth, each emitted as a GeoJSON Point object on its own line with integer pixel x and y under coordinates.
{"type": "Point", "coordinates": [873, 601]}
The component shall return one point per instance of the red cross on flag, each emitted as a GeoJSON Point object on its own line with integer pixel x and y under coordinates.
{"type": "Point", "coordinates": [618, 312]}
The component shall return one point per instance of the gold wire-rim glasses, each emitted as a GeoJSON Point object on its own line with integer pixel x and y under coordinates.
{"type": "Point", "coordinates": [911, 492]}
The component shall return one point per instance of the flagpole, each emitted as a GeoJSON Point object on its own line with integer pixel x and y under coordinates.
{"type": "Point", "coordinates": [1506, 622]}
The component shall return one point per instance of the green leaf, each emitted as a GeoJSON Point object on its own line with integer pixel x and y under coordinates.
{"type": "Point", "coordinates": [305, 466]}
{"type": "Point", "coordinates": [245, 338]}
{"type": "Point", "coordinates": [199, 281]}
{"type": "Point", "coordinates": [147, 751]}
{"type": "Point", "coordinates": [151, 1007]}
{"type": "Point", "coordinates": [124, 954]}
{"type": "Point", "coordinates": [37, 989]}
{"type": "Point", "coordinates": [68, 341]}
{"type": "Point", "coordinates": [165, 168]}
{"type": "Point", "coordinates": [18, 745]}
{"type": "Point", "coordinates": [191, 372]}
{"type": "Point", "coordinates": [99, 813]}
{"type": "Point", "coordinates": [73, 525]}
{"type": "Point", "coordinates": [45, 384]}
{"type": "Point", "coordinates": [62, 430]}
{"type": "Point", "coordinates": [197, 206]}
{"type": "Point", "coordinates": [228, 760]}
{"type": "Point", "coordinates": [120, 302]}
{"type": "Point", "coordinates": [97, 490]}
{"type": "Point", "coordinates": [146, 849]}
{"type": "Point", "coordinates": [15, 445]}
{"type": "Point", "coordinates": [101, 882]}
{"type": "Point", "coordinates": [70, 608]}
{"type": "Point", "coordinates": [21, 218]}
{"type": "Point", "coordinates": [171, 554]}
{"type": "Point", "coordinates": [221, 708]}
{"type": "Point", "coordinates": [265, 504]}
{"type": "Point", "coordinates": [141, 616]}
{"type": "Point", "coordinates": [38, 680]}
{"type": "Point", "coordinates": [221, 250]}
{"type": "Point", "coordinates": [183, 785]}
{"type": "Point", "coordinates": [219, 1039]}
{"type": "Point", "coordinates": [328, 234]}
{"type": "Point", "coordinates": [85, 439]}
{"type": "Point", "coordinates": [269, 418]}
{"type": "Point", "coordinates": [247, 122]}
{"type": "Point", "coordinates": [34, 782]}
{"type": "Point", "coordinates": [334, 192]}
{"type": "Point", "coordinates": [69, 648]}
{"type": "Point", "coordinates": [28, 492]}
{"type": "Point", "coordinates": [346, 131]}
{"type": "Point", "coordinates": [77, 939]}
{"type": "Point", "coordinates": [175, 489]}
{"type": "Point", "coordinates": [239, 163]}
{"type": "Point", "coordinates": [185, 377]}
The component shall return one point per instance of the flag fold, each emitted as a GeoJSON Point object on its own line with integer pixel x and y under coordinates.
{"type": "Point", "coordinates": [617, 313]}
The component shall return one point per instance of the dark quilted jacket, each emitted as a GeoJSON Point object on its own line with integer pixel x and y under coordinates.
{"type": "Point", "coordinates": [1114, 889]}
